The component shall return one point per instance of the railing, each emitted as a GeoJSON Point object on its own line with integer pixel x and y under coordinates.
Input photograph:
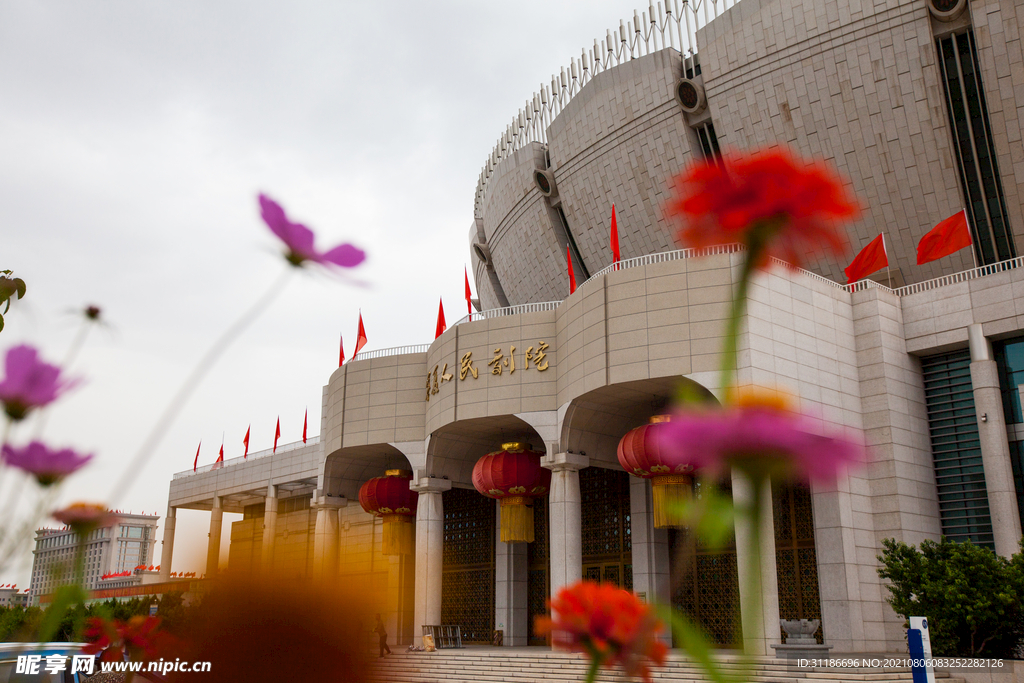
{"type": "Point", "coordinates": [393, 351]}
{"type": "Point", "coordinates": [664, 256]}
{"type": "Point", "coordinates": [962, 276]}
{"type": "Point", "coordinates": [666, 24]}
{"type": "Point", "coordinates": [231, 462]}
{"type": "Point", "coordinates": [508, 310]}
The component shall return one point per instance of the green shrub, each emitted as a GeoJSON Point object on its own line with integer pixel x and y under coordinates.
{"type": "Point", "coordinates": [971, 597]}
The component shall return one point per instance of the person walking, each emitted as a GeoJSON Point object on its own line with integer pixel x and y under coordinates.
{"type": "Point", "coordinates": [383, 633]}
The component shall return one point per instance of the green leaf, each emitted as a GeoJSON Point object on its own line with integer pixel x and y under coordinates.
{"type": "Point", "coordinates": [693, 641]}
{"type": "Point", "coordinates": [63, 599]}
{"type": "Point", "coordinates": [1, 323]}
{"type": "Point", "coordinates": [21, 287]}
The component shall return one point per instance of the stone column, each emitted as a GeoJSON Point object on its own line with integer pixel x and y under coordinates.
{"type": "Point", "coordinates": [995, 448]}
{"type": "Point", "coordinates": [400, 600]}
{"type": "Point", "coordinates": [564, 510]}
{"type": "Point", "coordinates": [269, 530]}
{"type": "Point", "coordinates": [510, 589]}
{"type": "Point", "coordinates": [651, 577]}
{"type": "Point", "coordinates": [326, 534]}
{"type": "Point", "coordinates": [429, 552]}
{"type": "Point", "coordinates": [213, 549]}
{"type": "Point", "coordinates": [167, 552]}
{"type": "Point", "coordinates": [764, 577]}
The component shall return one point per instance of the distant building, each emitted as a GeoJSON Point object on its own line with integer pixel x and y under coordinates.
{"type": "Point", "coordinates": [124, 546]}
{"type": "Point", "coordinates": [12, 597]}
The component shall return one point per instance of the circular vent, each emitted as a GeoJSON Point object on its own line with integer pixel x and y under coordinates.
{"type": "Point", "coordinates": [690, 95]}
{"type": "Point", "coordinates": [545, 182]}
{"type": "Point", "coordinates": [947, 10]}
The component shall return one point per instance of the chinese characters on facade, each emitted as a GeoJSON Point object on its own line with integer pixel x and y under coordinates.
{"type": "Point", "coordinates": [535, 357]}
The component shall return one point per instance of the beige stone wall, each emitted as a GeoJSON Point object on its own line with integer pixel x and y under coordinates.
{"type": "Point", "coordinates": [375, 401]}
{"type": "Point", "coordinates": [527, 252]}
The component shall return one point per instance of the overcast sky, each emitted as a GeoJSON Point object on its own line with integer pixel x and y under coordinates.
{"type": "Point", "coordinates": [134, 138]}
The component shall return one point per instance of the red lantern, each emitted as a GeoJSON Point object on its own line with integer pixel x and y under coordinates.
{"type": "Point", "coordinates": [389, 497]}
{"type": "Point", "coordinates": [513, 476]}
{"type": "Point", "coordinates": [640, 454]}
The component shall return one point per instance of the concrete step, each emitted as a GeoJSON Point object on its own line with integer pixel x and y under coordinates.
{"type": "Point", "coordinates": [534, 665]}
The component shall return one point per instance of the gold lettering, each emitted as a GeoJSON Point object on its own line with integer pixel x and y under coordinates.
{"type": "Point", "coordinates": [445, 375]}
{"type": "Point", "coordinates": [496, 363]}
{"type": "Point", "coordinates": [538, 359]}
{"type": "Point", "coordinates": [467, 366]}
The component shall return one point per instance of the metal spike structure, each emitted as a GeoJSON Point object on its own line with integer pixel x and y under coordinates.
{"type": "Point", "coordinates": [665, 24]}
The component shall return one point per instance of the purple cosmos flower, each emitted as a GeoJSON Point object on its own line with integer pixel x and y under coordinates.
{"type": "Point", "coordinates": [30, 383]}
{"type": "Point", "coordinates": [760, 439]}
{"type": "Point", "coordinates": [48, 467]}
{"type": "Point", "coordinates": [299, 239]}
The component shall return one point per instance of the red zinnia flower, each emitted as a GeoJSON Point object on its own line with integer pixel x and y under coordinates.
{"type": "Point", "coordinates": [609, 624]}
{"type": "Point", "coordinates": [766, 200]}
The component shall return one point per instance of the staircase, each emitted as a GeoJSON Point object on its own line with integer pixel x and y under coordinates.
{"type": "Point", "coordinates": [538, 665]}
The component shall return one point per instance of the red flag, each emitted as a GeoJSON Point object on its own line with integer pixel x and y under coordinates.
{"type": "Point", "coordinates": [360, 336]}
{"type": "Point", "coordinates": [572, 276]}
{"type": "Point", "coordinates": [441, 324]}
{"type": "Point", "coordinates": [615, 238]}
{"type": "Point", "coordinates": [277, 434]}
{"type": "Point", "coordinates": [246, 442]}
{"type": "Point", "coordinates": [305, 421]}
{"type": "Point", "coordinates": [871, 258]}
{"type": "Point", "coordinates": [196, 463]}
{"type": "Point", "coordinates": [469, 294]}
{"type": "Point", "coordinates": [341, 355]}
{"type": "Point", "coordinates": [219, 462]}
{"type": "Point", "coordinates": [949, 236]}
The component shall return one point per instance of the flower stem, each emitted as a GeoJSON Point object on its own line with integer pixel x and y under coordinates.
{"type": "Point", "coordinates": [732, 331]}
{"type": "Point", "coordinates": [152, 441]}
{"type": "Point", "coordinates": [595, 665]}
{"type": "Point", "coordinates": [76, 346]}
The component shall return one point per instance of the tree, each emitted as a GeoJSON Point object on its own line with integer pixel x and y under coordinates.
{"type": "Point", "coordinates": [971, 597]}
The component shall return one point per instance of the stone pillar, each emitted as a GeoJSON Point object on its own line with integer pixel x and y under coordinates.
{"type": "Point", "coordinates": [269, 530]}
{"type": "Point", "coordinates": [995, 448]}
{"type": "Point", "coordinates": [651, 577]}
{"type": "Point", "coordinates": [564, 518]}
{"type": "Point", "coordinates": [400, 599]}
{"type": "Point", "coordinates": [511, 613]}
{"type": "Point", "coordinates": [764, 575]}
{"type": "Point", "coordinates": [167, 552]}
{"type": "Point", "coordinates": [326, 534]}
{"type": "Point", "coordinates": [429, 552]}
{"type": "Point", "coordinates": [213, 549]}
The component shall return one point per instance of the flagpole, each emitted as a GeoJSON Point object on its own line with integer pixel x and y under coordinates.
{"type": "Point", "coordinates": [974, 257]}
{"type": "Point", "coordinates": [888, 277]}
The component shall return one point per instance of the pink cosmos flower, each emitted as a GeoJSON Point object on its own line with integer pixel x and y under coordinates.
{"type": "Point", "coordinates": [30, 383]}
{"type": "Point", "coordinates": [758, 434]}
{"type": "Point", "coordinates": [47, 466]}
{"type": "Point", "coordinates": [84, 517]}
{"type": "Point", "coordinates": [299, 239]}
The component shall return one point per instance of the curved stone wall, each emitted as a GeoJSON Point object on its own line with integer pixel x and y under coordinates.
{"type": "Point", "coordinates": [621, 140]}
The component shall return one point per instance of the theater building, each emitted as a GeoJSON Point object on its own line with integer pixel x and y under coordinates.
{"type": "Point", "coordinates": [916, 103]}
